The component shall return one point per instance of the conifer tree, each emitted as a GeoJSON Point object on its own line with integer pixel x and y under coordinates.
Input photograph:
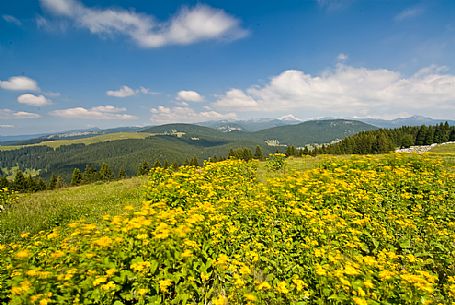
{"type": "Point", "coordinates": [122, 173]}
{"type": "Point", "coordinates": [157, 164]}
{"type": "Point", "coordinates": [105, 173]}
{"type": "Point", "coordinates": [19, 183]}
{"type": "Point", "coordinates": [143, 169]}
{"type": "Point", "coordinates": [76, 177]}
{"type": "Point", "coordinates": [258, 153]}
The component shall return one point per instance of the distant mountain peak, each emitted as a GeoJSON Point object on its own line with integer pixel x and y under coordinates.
{"type": "Point", "coordinates": [289, 117]}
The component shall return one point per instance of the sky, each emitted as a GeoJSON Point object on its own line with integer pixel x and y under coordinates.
{"type": "Point", "coordinates": [76, 64]}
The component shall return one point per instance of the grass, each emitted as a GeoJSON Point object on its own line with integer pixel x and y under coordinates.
{"type": "Point", "coordinates": [47, 209]}
{"type": "Point", "coordinates": [444, 149]}
{"type": "Point", "coordinates": [447, 153]}
{"type": "Point", "coordinates": [87, 141]}
{"type": "Point", "coordinates": [294, 164]}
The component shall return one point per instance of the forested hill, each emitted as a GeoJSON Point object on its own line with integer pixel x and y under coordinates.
{"type": "Point", "coordinates": [317, 131]}
{"type": "Point", "coordinates": [386, 140]}
{"type": "Point", "coordinates": [171, 143]}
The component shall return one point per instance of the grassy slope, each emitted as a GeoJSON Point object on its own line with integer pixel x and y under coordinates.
{"type": "Point", "coordinates": [447, 153]}
{"type": "Point", "coordinates": [91, 140]}
{"type": "Point", "coordinates": [45, 210]}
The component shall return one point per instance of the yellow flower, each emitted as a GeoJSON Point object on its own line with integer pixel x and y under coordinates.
{"type": "Point", "coordinates": [220, 300]}
{"type": "Point", "coordinates": [25, 235]}
{"type": "Point", "coordinates": [264, 286]}
{"type": "Point", "coordinates": [108, 286]}
{"type": "Point", "coordinates": [57, 254]}
{"type": "Point", "coordinates": [142, 291]}
{"type": "Point", "coordinates": [204, 276]}
{"type": "Point", "coordinates": [99, 280]}
{"type": "Point", "coordinates": [299, 284]}
{"type": "Point", "coordinates": [103, 242]}
{"type": "Point", "coordinates": [187, 253]}
{"type": "Point", "coordinates": [281, 287]}
{"type": "Point", "coordinates": [222, 259]}
{"type": "Point", "coordinates": [164, 284]}
{"type": "Point", "coordinates": [359, 301]}
{"type": "Point", "coordinates": [368, 284]}
{"type": "Point", "coordinates": [245, 270]}
{"type": "Point", "coordinates": [110, 272]}
{"type": "Point", "coordinates": [142, 236]}
{"type": "Point", "coordinates": [52, 235]}
{"type": "Point", "coordinates": [23, 288]}
{"type": "Point", "coordinates": [140, 266]}
{"type": "Point", "coordinates": [250, 297]}
{"type": "Point", "coordinates": [44, 301]}
{"type": "Point", "coordinates": [22, 254]}
{"type": "Point", "coordinates": [350, 270]}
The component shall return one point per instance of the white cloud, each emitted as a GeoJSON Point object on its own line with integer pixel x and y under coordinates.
{"type": "Point", "coordinates": [342, 57]}
{"type": "Point", "coordinates": [6, 126]}
{"type": "Point", "coordinates": [11, 114]}
{"type": "Point", "coordinates": [109, 109]}
{"type": "Point", "coordinates": [146, 91]}
{"type": "Point", "coordinates": [184, 114]}
{"type": "Point", "coordinates": [189, 96]}
{"type": "Point", "coordinates": [33, 100]}
{"type": "Point", "coordinates": [237, 99]}
{"type": "Point", "coordinates": [12, 20]}
{"type": "Point", "coordinates": [409, 13]}
{"type": "Point", "coordinates": [349, 91]}
{"type": "Point", "coordinates": [19, 83]}
{"type": "Point", "coordinates": [124, 91]}
{"type": "Point", "coordinates": [107, 112]}
{"type": "Point", "coordinates": [187, 26]}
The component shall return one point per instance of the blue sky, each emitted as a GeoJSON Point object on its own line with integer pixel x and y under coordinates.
{"type": "Point", "coordinates": [67, 64]}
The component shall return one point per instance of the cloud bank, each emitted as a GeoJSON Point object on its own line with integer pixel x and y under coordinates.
{"type": "Point", "coordinates": [347, 91]}
{"type": "Point", "coordinates": [107, 112]}
{"type": "Point", "coordinates": [189, 25]}
{"type": "Point", "coordinates": [185, 114]}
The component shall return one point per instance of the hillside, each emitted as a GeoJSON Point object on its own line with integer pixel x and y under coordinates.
{"type": "Point", "coordinates": [410, 121]}
{"type": "Point", "coordinates": [319, 131]}
{"type": "Point", "coordinates": [250, 125]}
{"type": "Point", "coordinates": [172, 143]}
{"type": "Point", "coordinates": [87, 140]}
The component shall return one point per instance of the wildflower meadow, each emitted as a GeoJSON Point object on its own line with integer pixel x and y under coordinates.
{"type": "Point", "coordinates": [369, 230]}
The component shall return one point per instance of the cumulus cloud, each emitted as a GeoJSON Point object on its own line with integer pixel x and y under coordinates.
{"type": "Point", "coordinates": [19, 83]}
{"type": "Point", "coordinates": [409, 13]}
{"type": "Point", "coordinates": [348, 91]}
{"type": "Point", "coordinates": [188, 26]}
{"type": "Point", "coordinates": [33, 100]}
{"type": "Point", "coordinates": [107, 112]}
{"type": "Point", "coordinates": [12, 20]}
{"type": "Point", "coordinates": [126, 91]}
{"type": "Point", "coordinates": [189, 96]}
{"type": "Point", "coordinates": [185, 114]}
{"type": "Point", "coordinates": [237, 99]}
{"type": "Point", "coordinates": [11, 114]}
